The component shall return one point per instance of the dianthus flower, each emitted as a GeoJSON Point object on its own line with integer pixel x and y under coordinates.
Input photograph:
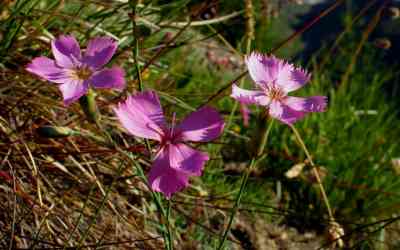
{"type": "Point", "coordinates": [76, 73]}
{"type": "Point", "coordinates": [175, 161]}
{"type": "Point", "coordinates": [275, 78]}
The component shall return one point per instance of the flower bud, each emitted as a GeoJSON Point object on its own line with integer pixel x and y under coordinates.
{"type": "Point", "coordinates": [54, 131]}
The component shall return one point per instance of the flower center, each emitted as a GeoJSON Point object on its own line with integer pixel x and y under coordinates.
{"type": "Point", "coordinates": [82, 73]}
{"type": "Point", "coordinates": [167, 140]}
{"type": "Point", "coordinates": [275, 93]}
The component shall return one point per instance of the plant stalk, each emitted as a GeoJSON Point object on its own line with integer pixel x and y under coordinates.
{"type": "Point", "coordinates": [243, 183]}
{"type": "Point", "coordinates": [315, 172]}
{"type": "Point", "coordinates": [168, 235]}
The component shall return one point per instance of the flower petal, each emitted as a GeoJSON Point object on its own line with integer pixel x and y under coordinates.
{"type": "Point", "coordinates": [162, 178]}
{"type": "Point", "coordinates": [291, 78]}
{"type": "Point", "coordinates": [263, 69]}
{"type": "Point", "coordinates": [311, 104]}
{"type": "Point", "coordinates": [99, 51]}
{"type": "Point", "coordinates": [186, 159]}
{"type": "Point", "coordinates": [284, 113]}
{"type": "Point", "coordinates": [109, 78]}
{"type": "Point", "coordinates": [65, 49]}
{"type": "Point", "coordinates": [202, 125]}
{"type": "Point", "coordinates": [47, 69]}
{"type": "Point", "coordinates": [142, 115]}
{"type": "Point", "coordinates": [249, 96]}
{"type": "Point", "coordinates": [275, 109]}
{"type": "Point", "coordinates": [73, 90]}
{"type": "Point", "coordinates": [266, 70]}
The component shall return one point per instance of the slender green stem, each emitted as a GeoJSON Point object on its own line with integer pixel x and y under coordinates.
{"type": "Point", "coordinates": [224, 41]}
{"type": "Point", "coordinates": [89, 106]}
{"type": "Point", "coordinates": [315, 172]}
{"type": "Point", "coordinates": [364, 38]}
{"type": "Point", "coordinates": [243, 183]}
{"type": "Point", "coordinates": [245, 176]}
{"type": "Point", "coordinates": [264, 139]}
{"type": "Point", "coordinates": [81, 214]}
{"type": "Point", "coordinates": [169, 225]}
{"type": "Point", "coordinates": [156, 198]}
{"type": "Point", "coordinates": [136, 48]}
{"type": "Point", "coordinates": [249, 38]}
{"type": "Point", "coordinates": [347, 29]}
{"type": "Point", "coordinates": [235, 208]}
{"type": "Point", "coordinates": [133, 5]}
{"type": "Point", "coordinates": [98, 210]}
{"type": "Point", "coordinates": [205, 22]}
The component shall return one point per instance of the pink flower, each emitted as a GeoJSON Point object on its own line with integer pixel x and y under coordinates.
{"type": "Point", "coordinates": [175, 161]}
{"type": "Point", "coordinates": [75, 73]}
{"type": "Point", "coordinates": [275, 78]}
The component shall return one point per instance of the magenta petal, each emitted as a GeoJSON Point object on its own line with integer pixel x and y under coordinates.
{"type": "Point", "coordinates": [142, 115]}
{"type": "Point", "coordinates": [65, 50]}
{"type": "Point", "coordinates": [310, 104]}
{"type": "Point", "coordinates": [257, 69]}
{"type": "Point", "coordinates": [202, 125]}
{"type": "Point", "coordinates": [73, 90]}
{"type": "Point", "coordinates": [296, 103]}
{"type": "Point", "coordinates": [316, 104]}
{"type": "Point", "coordinates": [275, 109]}
{"type": "Point", "coordinates": [284, 113]}
{"type": "Point", "coordinates": [99, 51]}
{"type": "Point", "coordinates": [47, 69]}
{"type": "Point", "coordinates": [109, 78]}
{"type": "Point", "coordinates": [291, 78]}
{"type": "Point", "coordinates": [266, 70]}
{"type": "Point", "coordinates": [186, 159]}
{"type": "Point", "coordinates": [162, 178]}
{"type": "Point", "coordinates": [249, 96]}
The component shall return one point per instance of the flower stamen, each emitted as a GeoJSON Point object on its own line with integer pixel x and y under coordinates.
{"type": "Point", "coordinates": [83, 73]}
{"type": "Point", "coordinates": [275, 93]}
